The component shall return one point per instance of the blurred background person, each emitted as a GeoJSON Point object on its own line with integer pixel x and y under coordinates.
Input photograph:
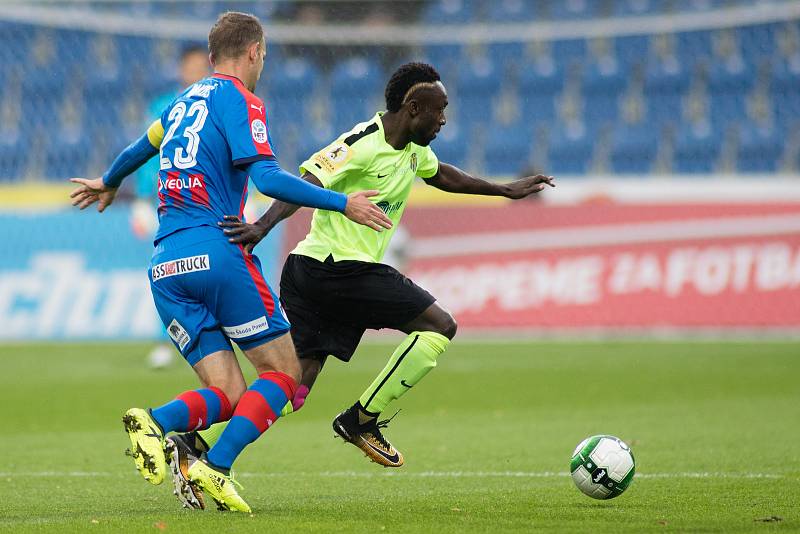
{"type": "Point", "coordinates": [193, 66]}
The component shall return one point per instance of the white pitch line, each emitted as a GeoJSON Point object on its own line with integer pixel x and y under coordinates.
{"type": "Point", "coordinates": [392, 474]}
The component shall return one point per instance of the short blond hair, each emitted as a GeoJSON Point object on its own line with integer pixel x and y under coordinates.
{"type": "Point", "coordinates": [232, 34]}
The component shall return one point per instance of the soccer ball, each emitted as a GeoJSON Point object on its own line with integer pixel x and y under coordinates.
{"type": "Point", "coordinates": [602, 467]}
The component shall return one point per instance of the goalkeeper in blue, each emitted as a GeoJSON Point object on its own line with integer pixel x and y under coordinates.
{"type": "Point", "coordinates": [207, 291]}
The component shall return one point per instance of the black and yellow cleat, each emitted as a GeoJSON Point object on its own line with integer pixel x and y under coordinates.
{"type": "Point", "coordinates": [147, 447]}
{"type": "Point", "coordinates": [218, 485]}
{"type": "Point", "coordinates": [180, 455]}
{"type": "Point", "coordinates": [367, 437]}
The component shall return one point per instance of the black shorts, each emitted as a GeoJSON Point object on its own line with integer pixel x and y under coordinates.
{"type": "Point", "coordinates": [330, 304]}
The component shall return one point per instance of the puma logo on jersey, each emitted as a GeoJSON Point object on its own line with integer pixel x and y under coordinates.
{"type": "Point", "coordinates": [259, 108]}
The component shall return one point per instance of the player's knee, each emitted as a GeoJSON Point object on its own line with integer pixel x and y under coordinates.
{"type": "Point", "coordinates": [233, 391]}
{"type": "Point", "coordinates": [447, 326]}
{"type": "Point", "coordinates": [293, 368]}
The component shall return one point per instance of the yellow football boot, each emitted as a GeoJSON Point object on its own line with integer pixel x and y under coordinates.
{"type": "Point", "coordinates": [217, 485]}
{"type": "Point", "coordinates": [147, 447]}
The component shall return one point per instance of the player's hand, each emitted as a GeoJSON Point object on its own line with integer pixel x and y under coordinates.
{"type": "Point", "coordinates": [241, 233]}
{"type": "Point", "coordinates": [528, 186]}
{"type": "Point", "coordinates": [91, 191]}
{"type": "Point", "coordinates": [360, 209]}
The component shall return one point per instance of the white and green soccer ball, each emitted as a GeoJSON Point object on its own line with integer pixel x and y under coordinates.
{"type": "Point", "coordinates": [602, 467]}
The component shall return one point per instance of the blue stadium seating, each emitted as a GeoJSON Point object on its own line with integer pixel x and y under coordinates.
{"type": "Point", "coordinates": [452, 145]}
{"type": "Point", "coordinates": [697, 148]}
{"type": "Point", "coordinates": [477, 84]}
{"type": "Point", "coordinates": [516, 10]}
{"type": "Point", "coordinates": [289, 86]}
{"type": "Point", "coordinates": [665, 86]}
{"type": "Point", "coordinates": [355, 84]}
{"type": "Point", "coordinates": [570, 150]}
{"type": "Point", "coordinates": [539, 85]}
{"type": "Point", "coordinates": [549, 88]}
{"type": "Point", "coordinates": [449, 11]}
{"type": "Point", "coordinates": [760, 149]}
{"type": "Point", "coordinates": [638, 7]}
{"type": "Point", "coordinates": [634, 148]}
{"type": "Point", "coordinates": [574, 9]}
{"type": "Point", "coordinates": [508, 148]}
{"type": "Point", "coordinates": [603, 84]}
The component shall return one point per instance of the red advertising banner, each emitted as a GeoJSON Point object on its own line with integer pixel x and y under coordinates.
{"type": "Point", "coordinates": [530, 266]}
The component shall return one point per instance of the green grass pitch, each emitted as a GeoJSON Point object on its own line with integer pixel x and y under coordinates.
{"type": "Point", "coordinates": [715, 428]}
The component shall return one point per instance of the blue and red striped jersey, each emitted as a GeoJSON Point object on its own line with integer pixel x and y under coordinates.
{"type": "Point", "coordinates": [212, 132]}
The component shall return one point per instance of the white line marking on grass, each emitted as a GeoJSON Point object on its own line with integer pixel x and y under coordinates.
{"type": "Point", "coordinates": [421, 474]}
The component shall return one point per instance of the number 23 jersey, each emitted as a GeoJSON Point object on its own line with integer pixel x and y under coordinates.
{"type": "Point", "coordinates": [208, 136]}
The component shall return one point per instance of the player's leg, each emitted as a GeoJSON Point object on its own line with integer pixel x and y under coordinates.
{"type": "Point", "coordinates": [430, 329]}
{"type": "Point", "coordinates": [428, 337]}
{"type": "Point", "coordinates": [260, 407]}
{"type": "Point", "coordinates": [222, 379]}
{"type": "Point", "coordinates": [202, 440]}
{"type": "Point", "coordinates": [184, 449]}
{"type": "Point", "coordinates": [249, 314]}
{"type": "Point", "coordinates": [194, 332]}
{"type": "Point", "coordinates": [311, 368]}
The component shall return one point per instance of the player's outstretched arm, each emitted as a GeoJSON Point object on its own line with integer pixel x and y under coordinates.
{"type": "Point", "coordinates": [357, 208]}
{"type": "Point", "coordinates": [453, 180]}
{"type": "Point", "coordinates": [102, 190]}
{"type": "Point", "coordinates": [273, 181]}
{"type": "Point", "coordinates": [91, 191]}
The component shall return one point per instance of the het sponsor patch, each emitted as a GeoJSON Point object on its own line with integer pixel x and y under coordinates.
{"type": "Point", "coordinates": [181, 266]}
{"type": "Point", "coordinates": [247, 329]}
{"type": "Point", "coordinates": [259, 131]}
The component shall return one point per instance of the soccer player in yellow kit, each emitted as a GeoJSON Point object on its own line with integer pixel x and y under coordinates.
{"type": "Point", "coordinates": [333, 286]}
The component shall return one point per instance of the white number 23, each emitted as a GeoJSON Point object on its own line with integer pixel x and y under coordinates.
{"type": "Point", "coordinates": [184, 159]}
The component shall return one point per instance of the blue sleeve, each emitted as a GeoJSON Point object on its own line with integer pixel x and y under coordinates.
{"type": "Point", "coordinates": [244, 124]}
{"type": "Point", "coordinates": [129, 160]}
{"type": "Point", "coordinates": [146, 179]}
{"type": "Point", "coordinates": [274, 182]}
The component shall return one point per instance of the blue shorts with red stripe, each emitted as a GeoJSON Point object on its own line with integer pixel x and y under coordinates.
{"type": "Point", "coordinates": [209, 292]}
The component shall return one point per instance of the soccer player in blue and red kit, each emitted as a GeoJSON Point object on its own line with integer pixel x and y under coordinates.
{"type": "Point", "coordinates": [207, 291]}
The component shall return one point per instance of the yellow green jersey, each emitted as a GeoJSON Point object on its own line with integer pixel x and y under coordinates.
{"type": "Point", "coordinates": [359, 160]}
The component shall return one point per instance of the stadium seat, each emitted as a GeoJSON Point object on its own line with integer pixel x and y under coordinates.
{"type": "Point", "coordinates": [539, 86]}
{"type": "Point", "coordinates": [444, 57]}
{"type": "Point", "coordinates": [570, 149]}
{"type": "Point", "coordinates": [757, 42]}
{"type": "Point", "coordinates": [696, 5]}
{"type": "Point", "coordinates": [665, 85]}
{"type": "Point", "coordinates": [569, 51]}
{"type": "Point", "coordinates": [477, 85]}
{"type": "Point", "coordinates": [697, 148]}
{"type": "Point", "coordinates": [784, 90]}
{"type": "Point", "coordinates": [448, 12]}
{"type": "Point", "coordinates": [634, 148]}
{"type": "Point", "coordinates": [356, 87]}
{"type": "Point", "coordinates": [508, 148]}
{"type": "Point", "coordinates": [632, 49]}
{"type": "Point", "coordinates": [574, 9]}
{"type": "Point", "coordinates": [760, 149]}
{"type": "Point", "coordinates": [692, 46]}
{"type": "Point", "coordinates": [289, 87]}
{"type": "Point", "coordinates": [728, 84]}
{"type": "Point", "coordinates": [13, 154]}
{"type": "Point", "coordinates": [637, 7]}
{"type": "Point", "coordinates": [603, 83]}
{"type": "Point", "coordinates": [451, 145]}
{"type": "Point", "coordinates": [512, 10]}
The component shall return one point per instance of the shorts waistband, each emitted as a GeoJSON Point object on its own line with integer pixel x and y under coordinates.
{"type": "Point", "coordinates": [187, 237]}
